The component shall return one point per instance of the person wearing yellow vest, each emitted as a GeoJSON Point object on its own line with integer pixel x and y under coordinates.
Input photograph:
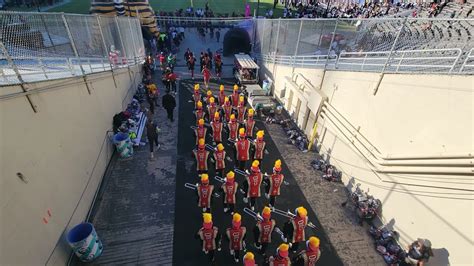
{"type": "Point", "coordinates": [273, 183]}
{"type": "Point", "coordinates": [310, 255]}
{"type": "Point", "coordinates": [281, 257]}
{"type": "Point", "coordinates": [294, 228]}
{"type": "Point", "coordinates": [236, 236]}
{"type": "Point", "coordinates": [204, 193]}
{"type": "Point", "coordinates": [263, 231]}
{"type": "Point", "coordinates": [210, 237]}
{"type": "Point", "coordinates": [249, 259]}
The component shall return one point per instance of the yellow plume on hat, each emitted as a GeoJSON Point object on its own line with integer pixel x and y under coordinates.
{"type": "Point", "coordinates": [201, 142]}
{"type": "Point", "coordinates": [196, 87]}
{"type": "Point", "coordinates": [226, 99]}
{"type": "Point", "coordinates": [232, 116]}
{"type": "Point", "coordinates": [250, 111]}
{"type": "Point", "coordinates": [209, 92]}
{"type": "Point", "coordinates": [313, 242]}
{"type": "Point", "coordinates": [241, 98]}
{"type": "Point", "coordinates": [236, 87]}
{"type": "Point", "coordinates": [249, 256]}
{"type": "Point", "coordinates": [221, 87]}
{"type": "Point", "coordinates": [216, 115]}
{"type": "Point", "coordinates": [211, 100]}
{"type": "Point", "coordinates": [230, 175]}
{"type": "Point", "coordinates": [201, 122]}
{"type": "Point", "coordinates": [236, 218]}
{"type": "Point", "coordinates": [277, 163]}
{"type": "Point", "coordinates": [260, 134]}
{"type": "Point", "coordinates": [266, 211]}
{"type": "Point", "coordinates": [255, 163]}
{"type": "Point", "coordinates": [199, 104]}
{"type": "Point", "coordinates": [283, 247]}
{"type": "Point", "coordinates": [207, 217]}
{"type": "Point", "coordinates": [204, 178]}
{"type": "Point", "coordinates": [241, 131]}
{"type": "Point", "coordinates": [220, 147]}
{"type": "Point", "coordinates": [302, 211]}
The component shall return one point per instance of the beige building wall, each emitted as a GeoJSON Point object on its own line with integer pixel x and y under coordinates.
{"type": "Point", "coordinates": [62, 151]}
{"type": "Point", "coordinates": [411, 115]}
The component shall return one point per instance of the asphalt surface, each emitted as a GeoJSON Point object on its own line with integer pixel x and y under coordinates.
{"type": "Point", "coordinates": [188, 217]}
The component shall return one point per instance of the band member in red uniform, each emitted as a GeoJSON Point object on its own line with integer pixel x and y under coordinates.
{"type": "Point", "coordinates": [216, 127]}
{"type": "Point", "coordinates": [199, 112]}
{"type": "Point", "coordinates": [310, 255]}
{"type": "Point", "coordinates": [218, 64]}
{"type": "Point", "coordinates": [259, 146]}
{"type": "Point", "coordinates": [235, 96]}
{"type": "Point", "coordinates": [236, 236]}
{"type": "Point", "coordinates": [210, 237]}
{"type": "Point", "coordinates": [242, 150]}
{"type": "Point", "coordinates": [273, 183]}
{"type": "Point", "coordinates": [219, 160]}
{"type": "Point", "coordinates": [241, 110]}
{"type": "Point", "coordinates": [249, 259]}
{"type": "Point", "coordinates": [249, 123]}
{"type": "Point", "coordinates": [200, 131]}
{"type": "Point", "coordinates": [208, 96]}
{"type": "Point", "coordinates": [294, 228]}
{"type": "Point", "coordinates": [233, 127]}
{"type": "Point", "coordinates": [221, 95]}
{"type": "Point", "coordinates": [227, 107]}
{"type": "Point", "coordinates": [230, 189]}
{"type": "Point", "coordinates": [212, 108]}
{"type": "Point", "coordinates": [263, 231]}
{"type": "Point", "coordinates": [201, 155]}
{"type": "Point", "coordinates": [252, 185]}
{"type": "Point", "coordinates": [196, 94]}
{"type": "Point", "coordinates": [204, 192]}
{"type": "Point", "coordinates": [281, 258]}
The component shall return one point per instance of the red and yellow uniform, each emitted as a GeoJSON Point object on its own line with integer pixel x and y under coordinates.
{"type": "Point", "coordinates": [216, 127]}
{"type": "Point", "coordinates": [294, 229]}
{"type": "Point", "coordinates": [209, 235]}
{"type": "Point", "coordinates": [200, 131]}
{"type": "Point", "coordinates": [259, 146]}
{"type": "Point", "coordinates": [242, 148]}
{"type": "Point", "coordinates": [263, 231]}
{"type": "Point", "coordinates": [219, 159]}
{"type": "Point", "coordinates": [273, 183]}
{"type": "Point", "coordinates": [204, 191]}
{"type": "Point", "coordinates": [212, 107]}
{"type": "Point", "coordinates": [199, 112]}
{"type": "Point", "coordinates": [236, 236]}
{"type": "Point", "coordinates": [230, 189]}
{"type": "Point", "coordinates": [196, 94]}
{"type": "Point", "coordinates": [221, 95]}
{"type": "Point", "coordinates": [208, 96]}
{"type": "Point", "coordinates": [252, 185]}
{"type": "Point", "coordinates": [241, 110]}
{"type": "Point", "coordinates": [249, 123]}
{"type": "Point", "coordinates": [227, 107]}
{"type": "Point", "coordinates": [235, 96]}
{"type": "Point", "coordinates": [233, 127]}
{"type": "Point", "coordinates": [249, 259]}
{"type": "Point", "coordinates": [281, 258]}
{"type": "Point", "coordinates": [310, 255]}
{"type": "Point", "coordinates": [201, 155]}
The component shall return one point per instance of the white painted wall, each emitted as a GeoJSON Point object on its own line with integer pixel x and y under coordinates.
{"type": "Point", "coordinates": [63, 151]}
{"type": "Point", "coordinates": [409, 115]}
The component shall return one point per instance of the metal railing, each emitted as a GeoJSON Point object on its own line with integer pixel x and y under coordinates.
{"type": "Point", "coordinates": [46, 46]}
{"type": "Point", "coordinates": [468, 65]}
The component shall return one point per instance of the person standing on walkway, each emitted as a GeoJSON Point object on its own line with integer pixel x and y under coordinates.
{"type": "Point", "coordinates": [152, 136]}
{"type": "Point", "coordinates": [191, 64]}
{"type": "Point", "coordinates": [210, 237]}
{"type": "Point", "coordinates": [242, 148]}
{"type": "Point", "coordinates": [218, 35]}
{"type": "Point", "coordinates": [294, 228]}
{"type": "Point", "coordinates": [236, 236]}
{"type": "Point", "coordinates": [230, 188]}
{"type": "Point", "coordinates": [218, 64]}
{"type": "Point", "coordinates": [273, 183]}
{"type": "Point", "coordinates": [263, 231]}
{"type": "Point", "coordinates": [310, 255]}
{"type": "Point", "coordinates": [169, 103]}
{"type": "Point", "coordinates": [171, 78]}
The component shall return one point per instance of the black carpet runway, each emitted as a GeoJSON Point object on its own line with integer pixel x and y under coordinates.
{"type": "Point", "coordinates": [188, 216]}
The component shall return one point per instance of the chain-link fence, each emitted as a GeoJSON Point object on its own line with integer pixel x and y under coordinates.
{"type": "Point", "coordinates": [391, 45]}
{"type": "Point", "coordinates": [45, 46]}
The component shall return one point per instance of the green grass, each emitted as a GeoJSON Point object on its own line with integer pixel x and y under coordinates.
{"type": "Point", "coordinates": [218, 6]}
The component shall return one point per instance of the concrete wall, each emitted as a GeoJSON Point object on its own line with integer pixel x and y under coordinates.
{"type": "Point", "coordinates": [410, 115]}
{"type": "Point", "coordinates": [62, 151]}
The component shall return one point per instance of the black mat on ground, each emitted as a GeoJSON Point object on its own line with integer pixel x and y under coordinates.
{"type": "Point", "coordinates": [188, 217]}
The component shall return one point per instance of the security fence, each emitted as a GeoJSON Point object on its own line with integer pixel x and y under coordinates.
{"type": "Point", "coordinates": [45, 46]}
{"type": "Point", "coordinates": [388, 45]}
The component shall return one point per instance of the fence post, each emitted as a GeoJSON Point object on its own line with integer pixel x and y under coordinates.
{"type": "Point", "coordinates": [276, 47]}
{"type": "Point", "coordinates": [105, 49]}
{"type": "Point", "coordinates": [74, 49]}
{"type": "Point", "coordinates": [123, 47]}
{"type": "Point", "coordinates": [263, 33]}
{"type": "Point", "coordinates": [23, 86]}
{"type": "Point", "coordinates": [382, 73]}
{"type": "Point", "coordinates": [329, 52]}
{"type": "Point", "coordinates": [133, 41]}
{"type": "Point", "coordinates": [297, 45]}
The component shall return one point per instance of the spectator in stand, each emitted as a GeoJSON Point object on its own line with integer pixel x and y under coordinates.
{"type": "Point", "coordinates": [169, 103]}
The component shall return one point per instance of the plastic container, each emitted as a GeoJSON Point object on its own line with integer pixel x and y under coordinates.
{"type": "Point", "coordinates": [84, 242]}
{"type": "Point", "coordinates": [123, 144]}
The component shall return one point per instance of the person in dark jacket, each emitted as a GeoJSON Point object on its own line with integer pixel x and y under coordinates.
{"type": "Point", "coordinates": [152, 136]}
{"type": "Point", "coordinates": [169, 103]}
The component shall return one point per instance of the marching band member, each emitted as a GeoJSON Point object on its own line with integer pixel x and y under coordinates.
{"type": "Point", "coordinates": [230, 189]}
{"type": "Point", "coordinates": [201, 155]}
{"type": "Point", "coordinates": [263, 231]}
{"type": "Point", "coordinates": [221, 95]}
{"type": "Point", "coordinates": [281, 258]}
{"type": "Point", "coordinates": [235, 96]}
{"type": "Point", "coordinates": [219, 160]}
{"type": "Point", "coordinates": [249, 123]}
{"type": "Point", "coordinates": [249, 259]}
{"type": "Point", "coordinates": [227, 107]}
{"type": "Point", "coordinates": [252, 185]}
{"type": "Point", "coordinates": [242, 148]}
{"type": "Point", "coordinates": [294, 228]}
{"type": "Point", "coordinates": [200, 131]}
{"type": "Point", "coordinates": [273, 183]}
{"type": "Point", "coordinates": [212, 108]}
{"type": "Point", "coordinates": [236, 236]}
{"type": "Point", "coordinates": [310, 255]}
{"type": "Point", "coordinates": [199, 112]}
{"type": "Point", "coordinates": [210, 237]}
{"type": "Point", "coordinates": [196, 94]}
{"type": "Point", "coordinates": [241, 110]}
{"type": "Point", "coordinates": [259, 146]}
{"type": "Point", "coordinates": [208, 96]}
{"type": "Point", "coordinates": [204, 191]}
